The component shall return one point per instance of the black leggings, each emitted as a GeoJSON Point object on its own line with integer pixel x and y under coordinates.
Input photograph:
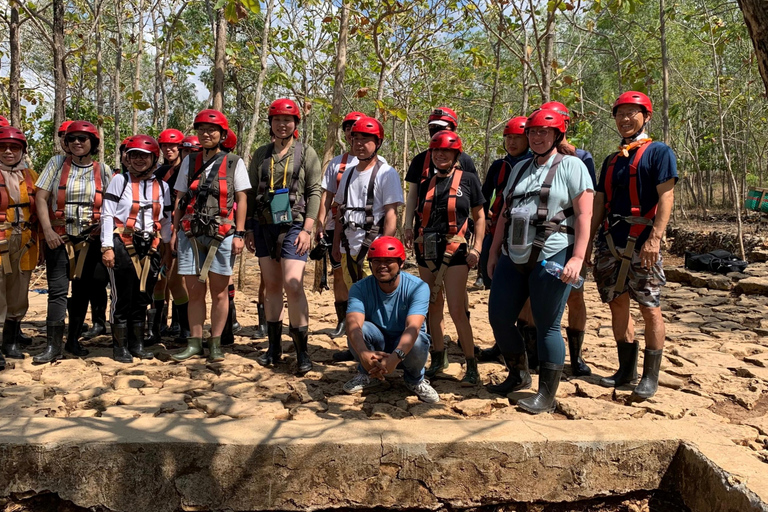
{"type": "Point", "coordinates": [129, 304]}
{"type": "Point", "coordinates": [93, 281]}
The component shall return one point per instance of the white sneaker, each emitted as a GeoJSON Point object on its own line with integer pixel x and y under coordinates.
{"type": "Point", "coordinates": [360, 382]}
{"type": "Point", "coordinates": [424, 391]}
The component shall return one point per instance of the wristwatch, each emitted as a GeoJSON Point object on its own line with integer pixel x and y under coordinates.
{"type": "Point", "coordinates": [399, 353]}
{"type": "Point", "coordinates": [240, 234]}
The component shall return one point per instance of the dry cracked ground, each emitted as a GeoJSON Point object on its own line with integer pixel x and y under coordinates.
{"type": "Point", "coordinates": [715, 370]}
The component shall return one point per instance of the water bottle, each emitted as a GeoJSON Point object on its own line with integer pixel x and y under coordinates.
{"type": "Point", "coordinates": [556, 269]}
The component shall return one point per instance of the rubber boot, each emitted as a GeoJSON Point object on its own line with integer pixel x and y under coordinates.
{"type": "Point", "coordinates": [181, 312]}
{"type": "Point", "coordinates": [227, 334]}
{"type": "Point", "coordinates": [99, 326]}
{"type": "Point", "coordinates": [300, 337]}
{"type": "Point", "coordinates": [194, 348]}
{"type": "Point", "coordinates": [519, 376]}
{"type": "Point", "coordinates": [73, 345]}
{"type": "Point", "coordinates": [236, 327]}
{"type": "Point", "coordinates": [119, 339]}
{"type": "Point", "coordinates": [649, 383]}
{"type": "Point", "coordinates": [341, 316]}
{"type": "Point", "coordinates": [274, 353]}
{"type": "Point", "coordinates": [575, 341]}
{"type": "Point", "coordinates": [261, 330]}
{"type": "Point", "coordinates": [544, 399]}
{"type": "Point", "coordinates": [161, 306]}
{"type": "Point", "coordinates": [2, 362]}
{"type": "Point", "coordinates": [54, 336]}
{"type": "Point", "coordinates": [11, 347]}
{"type": "Point", "coordinates": [531, 337]}
{"type": "Point", "coordinates": [438, 362]}
{"type": "Point", "coordinates": [627, 372]}
{"type": "Point", "coordinates": [153, 319]}
{"type": "Point", "coordinates": [471, 375]}
{"type": "Point", "coordinates": [136, 342]}
{"type": "Point", "coordinates": [488, 355]}
{"type": "Point", "coordinates": [24, 340]}
{"type": "Point", "coordinates": [215, 354]}
{"type": "Point", "coordinates": [175, 328]}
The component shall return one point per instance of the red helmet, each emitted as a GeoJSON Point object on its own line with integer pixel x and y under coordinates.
{"type": "Point", "coordinates": [351, 118]}
{"type": "Point", "coordinates": [143, 143]}
{"type": "Point", "coordinates": [125, 142]}
{"type": "Point", "coordinates": [212, 117]}
{"type": "Point", "coordinates": [63, 127]}
{"type": "Point", "coordinates": [515, 126]}
{"type": "Point", "coordinates": [170, 136]}
{"type": "Point", "coordinates": [286, 107]}
{"type": "Point", "coordinates": [444, 114]}
{"type": "Point", "coordinates": [11, 134]}
{"type": "Point", "coordinates": [633, 98]}
{"type": "Point", "coordinates": [230, 141]}
{"type": "Point", "coordinates": [545, 119]}
{"type": "Point", "coordinates": [83, 126]}
{"type": "Point", "coordinates": [191, 142]}
{"type": "Point", "coordinates": [4, 122]}
{"type": "Point", "coordinates": [558, 107]}
{"type": "Point", "coordinates": [445, 139]}
{"type": "Point", "coordinates": [387, 247]}
{"type": "Point", "coordinates": [370, 126]}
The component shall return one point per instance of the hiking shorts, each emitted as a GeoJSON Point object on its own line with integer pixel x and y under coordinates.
{"type": "Point", "coordinates": [644, 285]}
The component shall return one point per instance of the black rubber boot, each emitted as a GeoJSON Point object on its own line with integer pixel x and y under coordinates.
{"type": "Point", "coordinates": [119, 340]}
{"type": "Point", "coordinates": [11, 347]}
{"type": "Point", "coordinates": [544, 399]}
{"type": "Point", "coordinates": [575, 341]}
{"type": "Point", "coordinates": [649, 383]}
{"type": "Point", "coordinates": [519, 377]}
{"type": "Point", "coordinates": [227, 334]}
{"type": "Point", "coordinates": [261, 330]}
{"type": "Point", "coordinates": [73, 345]}
{"type": "Point", "coordinates": [54, 334]}
{"type": "Point", "coordinates": [471, 375]}
{"type": "Point", "coordinates": [153, 319]}
{"type": "Point", "coordinates": [24, 340]}
{"type": "Point", "coordinates": [136, 342]}
{"type": "Point", "coordinates": [488, 355]}
{"type": "Point", "coordinates": [96, 330]}
{"type": "Point", "coordinates": [173, 330]}
{"type": "Point", "coordinates": [181, 312]}
{"type": "Point", "coordinates": [236, 327]}
{"type": "Point", "coordinates": [341, 316]}
{"type": "Point", "coordinates": [438, 362]}
{"type": "Point", "coordinates": [274, 353]}
{"type": "Point", "coordinates": [627, 372]}
{"type": "Point", "coordinates": [531, 337]}
{"type": "Point", "coordinates": [300, 337]}
{"type": "Point", "coordinates": [2, 361]}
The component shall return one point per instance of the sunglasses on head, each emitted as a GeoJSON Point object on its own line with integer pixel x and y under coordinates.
{"type": "Point", "coordinates": [76, 138]}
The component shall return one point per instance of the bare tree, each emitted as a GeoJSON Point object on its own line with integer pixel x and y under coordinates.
{"type": "Point", "coordinates": [338, 84]}
{"type": "Point", "coordinates": [219, 60]}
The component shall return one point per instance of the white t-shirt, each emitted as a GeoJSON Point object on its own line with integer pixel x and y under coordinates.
{"type": "Point", "coordinates": [387, 191]}
{"type": "Point", "coordinates": [118, 202]}
{"type": "Point", "coordinates": [329, 181]}
{"type": "Point", "coordinates": [241, 176]}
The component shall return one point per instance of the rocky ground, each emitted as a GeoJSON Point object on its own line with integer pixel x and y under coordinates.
{"type": "Point", "coordinates": [715, 370]}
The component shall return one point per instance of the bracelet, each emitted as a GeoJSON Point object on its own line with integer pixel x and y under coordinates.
{"type": "Point", "coordinates": [473, 249]}
{"type": "Point", "coordinates": [307, 231]}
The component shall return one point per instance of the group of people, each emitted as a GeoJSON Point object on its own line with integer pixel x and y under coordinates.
{"type": "Point", "coordinates": [177, 227]}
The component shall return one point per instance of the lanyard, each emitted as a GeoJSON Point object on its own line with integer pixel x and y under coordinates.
{"type": "Point", "coordinates": [272, 171]}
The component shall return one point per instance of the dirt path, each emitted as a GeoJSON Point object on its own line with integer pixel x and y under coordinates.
{"type": "Point", "coordinates": [715, 370]}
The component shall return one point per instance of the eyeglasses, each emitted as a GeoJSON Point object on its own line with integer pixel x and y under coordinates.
{"type": "Point", "coordinates": [138, 155]}
{"type": "Point", "coordinates": [542, 132]}
{"type": "Point", "coordinates": [629, 114]}
{"type": "Point", "coordinates": [9, 147]}
{"type": "Point", "coordinates": [76, 138]}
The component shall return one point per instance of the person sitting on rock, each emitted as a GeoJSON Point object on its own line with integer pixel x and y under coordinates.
{"type": "Point", "coordinates": [385, 322]}
{"type": "Point", "coordinates": [633, 202]}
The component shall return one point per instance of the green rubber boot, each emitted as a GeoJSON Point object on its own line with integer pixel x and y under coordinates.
{"type": "Point", "coordinates": [194, 348]}
{"type": "Point", "coordinates": [438, 362]}
{"type": "Point", "coordinates": [216, 355]}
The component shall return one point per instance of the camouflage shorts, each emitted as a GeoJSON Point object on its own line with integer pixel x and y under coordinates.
{"type": "Point", "coordinates": [644, 285]}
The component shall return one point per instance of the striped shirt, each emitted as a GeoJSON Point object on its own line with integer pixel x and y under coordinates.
{"type": "Point", "coordinates": [81, 190]}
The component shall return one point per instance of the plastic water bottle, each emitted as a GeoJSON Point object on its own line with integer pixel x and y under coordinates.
{"type": "Point", "coordinates": [556, 269]}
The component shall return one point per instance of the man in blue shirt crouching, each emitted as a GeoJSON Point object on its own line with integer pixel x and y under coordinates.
{"type": "Point", "coordinates": [385, 323]}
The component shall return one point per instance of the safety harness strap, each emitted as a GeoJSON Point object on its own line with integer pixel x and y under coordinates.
{"type": "Point", "coordinates": [355, 264]}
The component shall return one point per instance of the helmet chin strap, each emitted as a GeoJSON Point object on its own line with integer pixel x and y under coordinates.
{"type": "Point", "coordinates": [558, 140]}
{"type": "Point", "coordinates": [373, 155]}
{"type": "Point", "coordinates": [637, 134]}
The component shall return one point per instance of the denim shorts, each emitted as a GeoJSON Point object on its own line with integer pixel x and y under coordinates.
{"type": "Point", "coordinates": [262, 232]}
{"type": "Point", "coordinates": [222, 263]}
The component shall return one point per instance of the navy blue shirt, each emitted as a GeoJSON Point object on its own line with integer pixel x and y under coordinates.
{"type": "Point", "coordinates": [657, 165]}
{"type": "Point", "coordinates": [417, 167]}
{"type": "Point", "coordinates": [586, 157]}
{"type": "Point", "coordinates": [492, 185]}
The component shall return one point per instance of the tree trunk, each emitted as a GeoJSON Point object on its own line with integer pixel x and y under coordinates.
{"type": "Point", "coordinates": [116, 96]}
{"type": "Point", "coordinates": [756, 18]}
{"type": "Point", "coordinates": [99, 84]}
{"type": "Point", "coordinates": [549, 53]}
{"type": "Point", "coordinates": [59, 68]}
{"type": "Point", "coordinates": [219, 63]}
{"type": "Point", "coordinates": [491, 106]}
{"type": "Point", "coordinates": [524, 82]}
{"type": "Point", "coordinates": [137, 75]}
{"type": "Point", "coordinates": [259, 83]}
{"type": "Point", "coordinates": [338, 85]}
{"type": "Point", "coordinates": [664, 72]}
{"type": "Point", "coordinates": [15, 79]}
{"type": "Point", "coordinates": [158, 74]}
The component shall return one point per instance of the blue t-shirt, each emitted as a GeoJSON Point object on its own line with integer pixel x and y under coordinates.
{"type": "Point", "coordinates": [586, 157]}
{"type": "Point", "coordinates": [657, 165]}
{"type": "Point", "coordinates": [388, 311]}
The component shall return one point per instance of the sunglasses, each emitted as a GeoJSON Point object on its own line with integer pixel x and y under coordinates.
{"type": "Point", "coordinates": [9, 147]}
{"type": "Point", "coordinates": [76, 138]}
